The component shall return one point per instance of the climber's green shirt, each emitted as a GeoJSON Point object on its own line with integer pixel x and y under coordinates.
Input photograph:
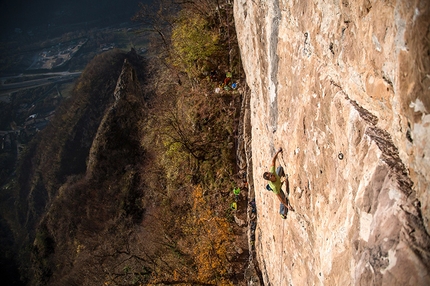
{"type": "Point", "coordinates": [276, 186]}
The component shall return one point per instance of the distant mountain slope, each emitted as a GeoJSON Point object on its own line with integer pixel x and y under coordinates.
{"type": "Point", "coordinates": [67, 140]}
{"type": "Point", "coordinates": [89, 207]}
{"type": "Point", "coordinates": [60, 153]}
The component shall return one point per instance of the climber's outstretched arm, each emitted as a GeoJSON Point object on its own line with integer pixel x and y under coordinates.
{"type": "Point", "coordinates": [274, 157]}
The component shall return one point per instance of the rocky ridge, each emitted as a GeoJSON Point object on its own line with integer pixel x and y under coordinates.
{"type": "Point", "coordinates": [343, 87]}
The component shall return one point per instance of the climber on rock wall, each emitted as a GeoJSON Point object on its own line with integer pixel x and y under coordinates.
{"type": "Point", "coordinates": [275, 182]}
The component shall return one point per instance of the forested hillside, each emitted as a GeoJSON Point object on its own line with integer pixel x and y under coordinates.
{"type": "Point", "coordinates": [131, 183]}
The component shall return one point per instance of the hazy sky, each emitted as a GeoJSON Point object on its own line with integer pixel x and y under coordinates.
{"type": "Point", "coordinates": [25, 14]}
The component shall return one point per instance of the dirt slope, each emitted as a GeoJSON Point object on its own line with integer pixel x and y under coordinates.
{"type": "Point", "coordinates": [343, 87]}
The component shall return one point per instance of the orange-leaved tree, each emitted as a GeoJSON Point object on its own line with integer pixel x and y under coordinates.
{"type": "Point", "coordinates": [213, 241]}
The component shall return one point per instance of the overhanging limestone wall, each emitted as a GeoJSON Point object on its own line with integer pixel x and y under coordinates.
{"type": "Point", "coordinates": [349, 77]}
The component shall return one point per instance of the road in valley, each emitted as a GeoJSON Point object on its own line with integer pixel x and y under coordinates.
{"type": "Point", "coordinates": [56, 77]}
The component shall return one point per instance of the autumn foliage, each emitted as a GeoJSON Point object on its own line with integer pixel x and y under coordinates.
{"type": "Point", "coordinates": [213, 239]}
{"type": "Point", "coordinates": [136, 190]}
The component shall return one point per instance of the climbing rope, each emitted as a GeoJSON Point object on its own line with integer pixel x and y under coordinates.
{"type": "Point", "coordinates": [282, 252]}
{"type": "Point", "coordinates": [283, 225]}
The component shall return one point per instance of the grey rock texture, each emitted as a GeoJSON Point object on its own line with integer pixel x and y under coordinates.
{"type": "Point", "coordinates": [127, 104]}
{"type": "Point", "coordinates": [344, 88]}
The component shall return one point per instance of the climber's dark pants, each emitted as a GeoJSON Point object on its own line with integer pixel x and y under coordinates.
{"type": "Point", "coordinates": [282, 209]}
{"type": "Point", "coordinates": [280, 171]}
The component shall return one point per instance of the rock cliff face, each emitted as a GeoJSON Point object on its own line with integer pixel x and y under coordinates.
{"type": "Point", "coordinates": [343, 87]}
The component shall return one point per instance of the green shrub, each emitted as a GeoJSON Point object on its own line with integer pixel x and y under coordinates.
{"type": "Point", "coordinates": [193, 42]}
